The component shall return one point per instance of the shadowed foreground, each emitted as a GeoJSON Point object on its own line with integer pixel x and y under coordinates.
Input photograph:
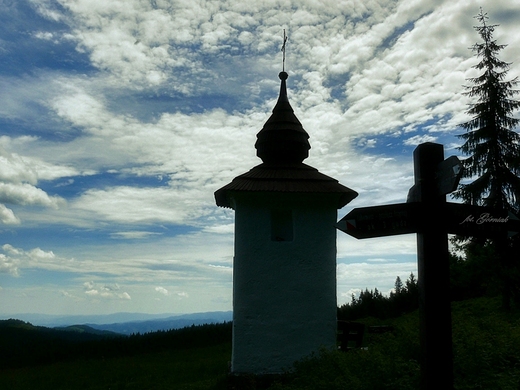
{"type": "Point", "coordinates": [486, 355]}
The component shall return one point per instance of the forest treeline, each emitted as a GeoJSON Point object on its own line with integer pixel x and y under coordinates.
{"type": "Point", "coordinates": [403, 299]}
{"type": "Point", "coordinates": [23, 344]}
{"type": "Point", "coordinates": [471, 276]}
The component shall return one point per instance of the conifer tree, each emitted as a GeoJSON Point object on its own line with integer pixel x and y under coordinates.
{"type": "Point", "coordinates": [490, 140]}
{"type": "Point", "coordinates": [493, 146]}
{"type": "Point", "coordinates": [398, 286]}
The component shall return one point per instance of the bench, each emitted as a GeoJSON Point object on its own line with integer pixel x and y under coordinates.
{"type": "Point", "coordinates": [350, 335]}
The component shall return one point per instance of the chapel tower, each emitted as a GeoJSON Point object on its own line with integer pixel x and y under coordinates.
{"type": "Point", "coordinates": [284, 267]}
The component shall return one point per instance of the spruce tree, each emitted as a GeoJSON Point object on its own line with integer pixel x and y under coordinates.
{"type": "Point", "coordinates": [493, 147]}
{"type": "Point", "coordinates": [398, 286]}
{"type": "Point", "coordinates": [490, 140]}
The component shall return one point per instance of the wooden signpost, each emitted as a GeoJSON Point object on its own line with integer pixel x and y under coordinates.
{"type": "Point", "coordinates": [405, 218]}
{"type": "Point", "coordinates": [429, 215]}
{"type": "Point", "coordinates": [380, 221]}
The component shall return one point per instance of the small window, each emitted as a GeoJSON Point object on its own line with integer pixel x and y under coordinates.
{"type": "Point", "coordinates": [281, 225]}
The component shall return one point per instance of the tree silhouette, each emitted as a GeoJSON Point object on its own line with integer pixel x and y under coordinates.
{"type": "Point", "coordinates": [398, 285]}
{"type": "Point", "coordinates": [490, 141]}
{"type": "Point", "coordinates": [492, 145]}
{"type": "Point", "coordinates": [373, 303]}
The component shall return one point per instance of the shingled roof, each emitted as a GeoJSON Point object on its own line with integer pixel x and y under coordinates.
{"type": "Point", "coordinates": [283, 144]}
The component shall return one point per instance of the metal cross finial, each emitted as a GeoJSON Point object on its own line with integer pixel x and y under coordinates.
{"type": "Point", "coordinates": [283, 50]}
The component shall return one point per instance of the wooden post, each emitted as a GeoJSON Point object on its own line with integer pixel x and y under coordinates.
{"type": "Point", "coordinates": [434, 273]}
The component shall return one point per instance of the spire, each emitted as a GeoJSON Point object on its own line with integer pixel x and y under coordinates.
{"type": "Point", "coordinates": [282, 140]}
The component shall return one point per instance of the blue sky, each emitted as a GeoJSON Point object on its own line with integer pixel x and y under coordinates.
{"type": "Point", "coordinates": [119, 120]}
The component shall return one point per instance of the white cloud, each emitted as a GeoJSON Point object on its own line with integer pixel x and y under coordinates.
{"type": "Point", "coordinates": [135, 42]}
{"type": "Point", "coordinates": [36, 258]}
{"type": "Point", "coordinates": [142, 205]}
{"type": "Point", "coordinates": [38, 254]}
{"type": "Point", "coordinates": [381, 247]}
{"type": "Point", "coordinates": [124, 295]}
{"type": "Point", "coordinates": [47, 9]}
{"type": "Point", "coordinates": [16, 168]}
{"type": "Point", "coordinates": [18, 179]}
{"type": "Point", "coordinates": [67, 294]}
{"type": "Point", "coordinates": [11, 250]}
{"type": "Point", "coordinates": [7, 216]}
{"type": "Point", "coordinates": [133, 235]}
{"type": "Point", "coordinates": [25, 194]}
{"type": "Point", "coordinates": [346, 297]}
{"type": "Point", "coordinates": [47, 36]}
{"type": "Point", "coordinates": [183, 259]}
{"type": "Point", "coordinates": [162, 290]}
{"type": "Point", "coordinates": [220, 229]}
{"type": "Point", "coordinates": [104, 291]}
{"type": "Point", "coordinates": [419, 139]}
{"type": "Point", "coordinates": [8, 265]}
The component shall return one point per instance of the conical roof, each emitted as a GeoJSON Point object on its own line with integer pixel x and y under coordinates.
{"type": "Point", "coordinates": [283, 144]}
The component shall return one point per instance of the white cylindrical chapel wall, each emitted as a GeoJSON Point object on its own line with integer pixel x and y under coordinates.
{"type": "Point", "coordinates": [284, 287]}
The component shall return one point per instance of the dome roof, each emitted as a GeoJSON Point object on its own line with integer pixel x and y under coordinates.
{"type": "Point", "coordinates": [282, 140]}
{"type": "Point", "coordinates": [283, 144]}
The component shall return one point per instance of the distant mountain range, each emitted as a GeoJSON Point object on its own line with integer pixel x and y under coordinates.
{"type": "Point", "coordinates": [23, 344]}
{"type": "Point", "coordinates": [173, 322]}
{"type": "Point", "coordinates": [127, 323]}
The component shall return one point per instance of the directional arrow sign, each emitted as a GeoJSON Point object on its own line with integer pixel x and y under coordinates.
{"type": "Point", "coordinates": [405, 218]}
{"type": "Point", "coordinates": [379, 221]}
{"type": "Point", "coordinates": [448, 175]}
{"type": "Point", "coordinates": [478, 221]}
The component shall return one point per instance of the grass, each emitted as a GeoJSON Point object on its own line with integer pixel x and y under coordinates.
{"type": "Point", "coordinates": [190, 369]}
{"type": "Point", "coordinates": [486, 345]}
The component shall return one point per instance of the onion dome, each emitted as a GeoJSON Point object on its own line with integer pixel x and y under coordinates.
{"type": "Point", "coordinates": [283, 144]}
{"type": "Point", "coordinates": [282, 140]}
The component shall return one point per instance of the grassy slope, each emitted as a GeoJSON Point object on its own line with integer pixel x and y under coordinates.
{"type": "Point", "coordinates": [486, 349]}
{"type": "Point", "coordinates": [486, 345]}
{"type": "Point", "coordinates": [194, 369]}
